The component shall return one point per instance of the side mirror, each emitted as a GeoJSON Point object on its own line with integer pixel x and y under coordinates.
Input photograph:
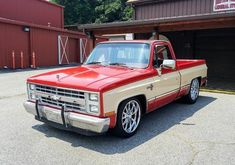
{"type": "Point", "coordinates": [169, 64]}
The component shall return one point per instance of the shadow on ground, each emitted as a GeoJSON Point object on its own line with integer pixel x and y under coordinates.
{"type": "Point", "coordinates": [152, 125]}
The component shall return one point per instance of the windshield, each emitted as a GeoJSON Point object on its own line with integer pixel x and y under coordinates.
{"type": "Point", "coordinates": [134, 55]}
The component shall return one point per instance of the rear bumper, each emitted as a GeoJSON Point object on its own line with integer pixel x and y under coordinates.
{"type": "Point", "coordinates": [68, 120]}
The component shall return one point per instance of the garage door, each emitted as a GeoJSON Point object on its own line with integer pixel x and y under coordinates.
{"type": "Point", "coordinates": [218, 48]}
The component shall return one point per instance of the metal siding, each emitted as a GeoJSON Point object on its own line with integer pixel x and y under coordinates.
{"type": "Point", "coordinates": [160, 11]}
{"type": "Point", "coordinates": [164, 10]}
{"type": "Point", "coordinates": [32, 11]}
{"type": "Point", "coordinates": [203, 6]}
{"type": "Point", "coordinates": [13, 38]}
{"type": "Point", "coordinates": [45, 47]}
{"type": "Point", "coordinates": [189, 8]}
{"type": "Point", "coordinates": [185, 8]}
{"type": "Point", "coordinates": [2, 50]}
{"type": "Point", "coordinates": [180, 8]}
{"type": "Point", "coordinates": [73, 53]}
{"type": "Point", "coordinates": [174, 8]}
{"type": "Point", "coordinates": [44, 42]}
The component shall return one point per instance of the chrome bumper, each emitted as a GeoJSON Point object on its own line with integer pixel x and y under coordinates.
{"type": "Point", "coordinates": [69, 119]}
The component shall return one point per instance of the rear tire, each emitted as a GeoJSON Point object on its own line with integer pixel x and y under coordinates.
{"type": "Point", "coordinates": [128, 118]}
{"type": "Point", "coordinates": [193, 94]}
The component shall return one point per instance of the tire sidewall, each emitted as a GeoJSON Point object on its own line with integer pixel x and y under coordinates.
{"type": "Point", "coordinates": [191, 100]}
{"type": "Point", "coordinates": [119, 128]}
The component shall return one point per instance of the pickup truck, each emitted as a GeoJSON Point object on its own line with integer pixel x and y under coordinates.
{"type": "Point", "coordinates": [117, 84]}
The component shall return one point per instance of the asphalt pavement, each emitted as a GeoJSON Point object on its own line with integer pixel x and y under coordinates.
{"type": "Point", "coordinates": [203, 133]}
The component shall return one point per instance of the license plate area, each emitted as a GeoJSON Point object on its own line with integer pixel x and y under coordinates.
{"type": "Point", "coordinates": [53, 116]}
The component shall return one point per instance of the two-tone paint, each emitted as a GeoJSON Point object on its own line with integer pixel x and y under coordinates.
{"type": "Point", "coordinates": [115, 84]}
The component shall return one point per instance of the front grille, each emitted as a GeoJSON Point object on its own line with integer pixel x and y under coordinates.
{"type": "Point", "coordinates": [57, 97]}
{"type": "Point", "coordinates": [60, 91]}
{"type": "Point", "coordinates": [58, 103]}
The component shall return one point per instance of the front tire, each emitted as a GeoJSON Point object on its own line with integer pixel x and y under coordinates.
{"type": "Point", "coordinates": [193, 94]}
{"type": "Point", "coordinates": [128, 118]}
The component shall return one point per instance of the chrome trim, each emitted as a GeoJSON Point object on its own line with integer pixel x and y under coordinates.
{"type": "Point", "coordinates": [74, 99]}
{"type": "Point", "coordinates": [167, 93]}
{"type": "Point", "coordinates": [64, 88]}
{"type": "Point", "coordinates": [90, 123]}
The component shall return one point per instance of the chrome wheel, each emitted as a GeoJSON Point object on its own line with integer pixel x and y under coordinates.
{"type": "Point", "coordinates": [131, 116]}
{"type": "Point", "coordinates": [194, 90]}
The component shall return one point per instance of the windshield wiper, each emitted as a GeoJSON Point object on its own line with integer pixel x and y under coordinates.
{"type": "Point", "coordinates": [117, 64]}
{"type": "Point", "coordinates": [94, 62]}
{"type": "Point", "coordinates": [120, 64]}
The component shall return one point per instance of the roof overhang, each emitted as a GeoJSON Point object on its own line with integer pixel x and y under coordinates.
{"type": "Point", "coordinates": [138, 2]}
{"type": "Point", "coordinates": [193, 22]}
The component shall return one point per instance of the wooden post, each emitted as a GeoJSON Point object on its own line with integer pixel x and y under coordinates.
{"type": "Point", "coordinates": [22, 59]}
{"type": "Point", "coordinates": [155, 34]}
{"type": "Point", "coordinates": [13, 60]}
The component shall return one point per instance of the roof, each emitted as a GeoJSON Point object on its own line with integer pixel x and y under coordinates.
{"type": "Point", "coordinates": [143, 1]}
{"type": "Point", "coordinates": [51, 3]}
{"type": "Point", "coordinates": [20, 23]}
{"type": "Point", "coordinates": [154, 22]}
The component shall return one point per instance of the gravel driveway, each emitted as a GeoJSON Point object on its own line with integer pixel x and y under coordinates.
{"type": "Point", "coordinates": [203, 133]}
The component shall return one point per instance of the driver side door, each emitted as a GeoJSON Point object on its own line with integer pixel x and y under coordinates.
{"type": "Point", "coordinates": [166, 83]}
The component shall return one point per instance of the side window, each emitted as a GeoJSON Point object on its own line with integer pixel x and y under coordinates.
{"type": "Point", "coordinates": [161, 53]}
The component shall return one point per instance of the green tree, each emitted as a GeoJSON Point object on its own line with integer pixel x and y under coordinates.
{"type": "Point", "coordinates": [98, 11]}
{"type": "Point", "coordinates": [112, 10]}
{"type": "Point", "coordinates": [78, 11]}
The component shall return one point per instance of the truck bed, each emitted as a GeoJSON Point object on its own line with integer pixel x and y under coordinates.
{"type": "Point", "coordinates": [185, 63]}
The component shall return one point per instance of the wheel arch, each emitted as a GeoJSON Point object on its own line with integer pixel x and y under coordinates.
{"type": "Point", "coordinates": [199, 79]}
{"type": "Point", "coordinates": [142, 99]}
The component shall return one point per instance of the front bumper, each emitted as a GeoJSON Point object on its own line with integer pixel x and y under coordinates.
{"type": "Point", "coordinates": [67, 120]}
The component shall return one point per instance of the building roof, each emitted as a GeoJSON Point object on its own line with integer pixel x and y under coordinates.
{"type": "Point", "coordinates": [143, 1]}
{"type": "Point", "coordinates": [51, 3]}
{"type": "Point", "coordinates": [161, 24]}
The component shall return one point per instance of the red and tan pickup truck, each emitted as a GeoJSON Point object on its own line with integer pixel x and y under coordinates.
{"type": "Point", "coordinates": [117, 85]}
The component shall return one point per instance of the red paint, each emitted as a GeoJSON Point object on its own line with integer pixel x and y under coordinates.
{"type": "Point", "coordinates": [113, 120]}
{"type": "Point", "coordinates": [161, 101]}
{"type": "Point", "coordinates": [151, 105]}
{"type": "Point", "coordinates": [184, 64]}
{"type": "Point", "coordinates": [183, 91]}
{"type": "Point", "coordinates": [93, 77]}
{"type": "Point", "coordinates": [101, 105]}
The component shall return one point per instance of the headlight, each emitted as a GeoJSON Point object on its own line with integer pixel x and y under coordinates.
{"type": "Point", "coordinates": [32, 86]}
{"type": "Point", "coordinates": [93, 97]}
{"type": "Point", "coordinates": [94, 108]}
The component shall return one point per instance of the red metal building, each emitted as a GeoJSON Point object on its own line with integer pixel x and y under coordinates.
{"type": "Point", "coordinates": [38, 12]}
{"type": "Point", "coordinates": [32, 35]}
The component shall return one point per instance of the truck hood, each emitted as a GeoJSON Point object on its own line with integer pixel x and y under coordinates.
{"type": "Point", "coordinates": [92, 77]}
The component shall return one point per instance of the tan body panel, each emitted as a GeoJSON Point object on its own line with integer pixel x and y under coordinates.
{"type": "Point", "coordinates": [161, 85]}
{"type": "Point", "coordinates": [187, 75]}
